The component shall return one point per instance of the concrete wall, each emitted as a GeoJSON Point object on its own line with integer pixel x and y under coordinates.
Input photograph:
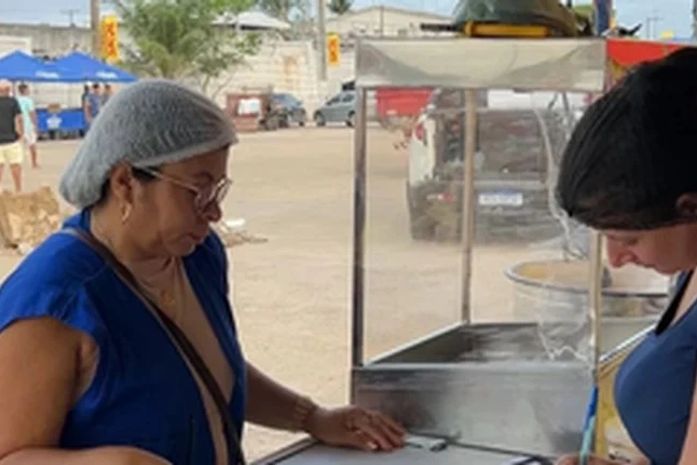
{"type": "Point", "coordinates": [382, 21]}
{"type": "Point", "coordinates": [9, 44]}
{"type": "Point", "coordinates": [50, 40]}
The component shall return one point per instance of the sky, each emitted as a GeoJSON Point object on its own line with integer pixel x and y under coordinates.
{"type": "Point", "coordinates": [667, 15]}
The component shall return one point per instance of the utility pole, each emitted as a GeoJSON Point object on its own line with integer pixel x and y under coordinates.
{"type": "Point", "coordinates": [651, 23]}
{"type": "Point", "coordinates": [94, 26]}
{"type": "Point", "coordinates": [322, 39]}
{"type": "Point", "coordinates": [382, 20]}
{"type": "Point", "coordinates": [71, 12]}
{"type": "Point", "coordinates": [694, 19]}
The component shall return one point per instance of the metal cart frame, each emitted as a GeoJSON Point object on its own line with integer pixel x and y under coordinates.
{"type": "Point", "coordinates": [504, 409]}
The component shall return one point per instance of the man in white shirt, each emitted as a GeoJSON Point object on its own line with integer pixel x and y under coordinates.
{"type": "Point", "coordinates": [31, 126]}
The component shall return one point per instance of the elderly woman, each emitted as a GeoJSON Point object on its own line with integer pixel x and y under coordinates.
{"type": "Point", "coordinates": [117, 340]}
{"type": "Point", "coordinates": [630, 171]}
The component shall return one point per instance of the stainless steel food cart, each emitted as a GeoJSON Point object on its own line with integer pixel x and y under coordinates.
{"type": "Point", "coordinates": [434, 340]}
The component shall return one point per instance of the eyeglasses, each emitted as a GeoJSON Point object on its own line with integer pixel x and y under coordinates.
{"type": "Point", "coordinates": [205, 196]}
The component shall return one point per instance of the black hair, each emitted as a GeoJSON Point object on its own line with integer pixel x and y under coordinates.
{"type": "Point", "coordinates": [139, 174]}
{"type": "Point", "coordinates": [23, 87]}
{"type": "Point", "coordinates": [634, 152]}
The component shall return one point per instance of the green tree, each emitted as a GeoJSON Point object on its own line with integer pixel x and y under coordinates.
{"type": "Point", "coordinates": [297, 13]}
{"type": "Point", "coordinates": [340, 7]}
{"type": "Point", "coordinates": [178, 39]}
{"type": "Point", "coordinates": [281, 9]}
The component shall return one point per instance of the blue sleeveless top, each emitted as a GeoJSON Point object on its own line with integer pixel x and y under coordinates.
{"type": "Point", "coordinates": [143, 394]}
{"type": "Point", "coordinates": [655, 385]}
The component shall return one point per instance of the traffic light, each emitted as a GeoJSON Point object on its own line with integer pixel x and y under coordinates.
{"type": "Point", "coordinates": [333, 50]}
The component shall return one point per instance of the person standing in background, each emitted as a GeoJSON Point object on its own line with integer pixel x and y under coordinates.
{"type": "Point", "coordinates": [30, 122]}
{"type": "Point", "coordinates": [11, 132]}
{"type": "Point", "coordinates": [92, 104]}
{"type": "Point", "coordinates": [83, 104]}
{"type": "Point", "coordinates": [83, 97]}
{"type": "Point", "coordinates": [106, 95]}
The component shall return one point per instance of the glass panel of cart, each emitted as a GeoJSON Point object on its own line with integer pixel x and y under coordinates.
{"type": "Point", "coordinates": [525, 294]}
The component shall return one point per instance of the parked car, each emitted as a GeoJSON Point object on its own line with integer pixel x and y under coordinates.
{"type": "Point", "coordinates": [516, 145]}
{"type": "Point", "coordinates": [291, 110]}
{"type": "Point", "coordinates": [339, 109]}
{"type": "Point", "coordinates": [252, 110]}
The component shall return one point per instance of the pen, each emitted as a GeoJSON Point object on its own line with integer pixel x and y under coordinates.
{"type": "Point", "coordinates": [589, 427]}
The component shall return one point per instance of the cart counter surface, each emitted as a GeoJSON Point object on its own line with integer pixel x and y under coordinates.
{"type": "Point", "coordinates": [451, 455]}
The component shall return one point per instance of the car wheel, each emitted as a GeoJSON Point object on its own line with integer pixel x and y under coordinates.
{"type": "Point", "coordinates": [351, 122]}
{"type": "Point", "coordinates": [271, 124]}
{"type": "Point", "coordinates": [319, 120]}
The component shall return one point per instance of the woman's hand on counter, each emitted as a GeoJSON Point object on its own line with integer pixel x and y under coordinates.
{"type": "Point", "coordinates": [355, 427]}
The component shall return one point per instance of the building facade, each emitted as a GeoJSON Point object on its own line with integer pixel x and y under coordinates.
{"type": "Point", "coordinates": [383, 21]}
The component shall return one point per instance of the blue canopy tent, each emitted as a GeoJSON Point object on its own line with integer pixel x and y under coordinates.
{"type": "Point", "coordinates": [21, 67]}
{"type": "Point", "coordinates": [91, 69]}
{"type": "Point", "coordinates": [18, 66]}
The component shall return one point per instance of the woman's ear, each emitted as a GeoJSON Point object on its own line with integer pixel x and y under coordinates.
{"type": "Point", "coordinates": [687, 205]}
{"type": "Point", "coordinates": [121, 183]}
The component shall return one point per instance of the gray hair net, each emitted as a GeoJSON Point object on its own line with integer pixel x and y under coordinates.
{"type": "Point", "coordinates": [146, 124]}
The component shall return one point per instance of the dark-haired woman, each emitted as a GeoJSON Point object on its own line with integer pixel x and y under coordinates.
{"type": "Point", "coordinates": [630, 171]}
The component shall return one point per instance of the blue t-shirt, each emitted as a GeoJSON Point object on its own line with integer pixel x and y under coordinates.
{"type": "Point", "coordinates": [143, 393]}
{"type": "Point", "coordinates": [95, 102]}
{"type": "Point", "coordinates": [655, 385]}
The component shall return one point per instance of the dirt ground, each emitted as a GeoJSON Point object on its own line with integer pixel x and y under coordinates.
{"type": "Point", "coordinates": [292, 292]}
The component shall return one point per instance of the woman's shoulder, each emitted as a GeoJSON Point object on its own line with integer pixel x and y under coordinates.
{"type": "Point", "coordinates": [62, 259]}
{"type": "Point", "coordinates": [49, 277]}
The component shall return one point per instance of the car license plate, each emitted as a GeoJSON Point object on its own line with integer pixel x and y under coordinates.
{"type": "Point", "coordinates": [501, 199]}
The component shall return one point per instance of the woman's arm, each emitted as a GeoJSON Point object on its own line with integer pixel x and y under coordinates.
{"type": "Point", "coordinates": [96, 456]}
{"type": "Point", "coordinates": [273, 405]}
{"type": "Point", "coordinates": [38, 375]}
{"type": "Point", "coordinates": [40, 362]}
